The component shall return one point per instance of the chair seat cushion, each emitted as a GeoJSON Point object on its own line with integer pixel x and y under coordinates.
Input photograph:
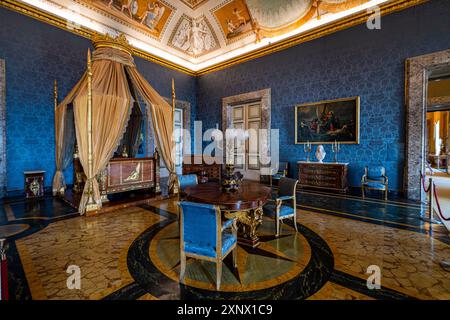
{"type": "Point", "coordinates": [375, 185]}
{"type": "Point", "coordinates": [270, 210]}
{"type": "Point", "coordinates": [228, 240]}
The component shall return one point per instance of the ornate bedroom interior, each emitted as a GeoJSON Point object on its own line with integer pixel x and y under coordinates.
{"type": "Point", "coordinates": [224, 149]}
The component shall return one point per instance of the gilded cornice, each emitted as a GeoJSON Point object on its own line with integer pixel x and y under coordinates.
{"type": "Point", "coordinates": [322, 31]}
{"type": "Point", "coordinates": [347, 22]}
{"type": "Point", "coordinates": [61, 23]}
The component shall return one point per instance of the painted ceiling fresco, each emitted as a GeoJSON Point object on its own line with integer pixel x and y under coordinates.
{"type": "Point", "coordinates": [193, 3]}
{"type": "Point", "coordinates": [199, 33]}
{"type": "Point", "coordinates": [150, 16]}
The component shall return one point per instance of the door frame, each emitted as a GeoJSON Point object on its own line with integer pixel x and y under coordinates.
{"type": "Point", "coordinates": [3, 177]}
{"type": "Point", "coordinates": [417, 72]}
{"type": "Point", "coordinates": [249, 173]}
{"type": "Point", "coordinates": [179, 104]}
{"type": "Point", "coordinates": [264, 96]}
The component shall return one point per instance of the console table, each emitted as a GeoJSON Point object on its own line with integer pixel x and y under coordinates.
{"type": "Point", "coordinates": [325, 175]}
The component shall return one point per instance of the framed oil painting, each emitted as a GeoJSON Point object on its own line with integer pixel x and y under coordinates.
{"type": "Point", "coordinates": [328, 121]}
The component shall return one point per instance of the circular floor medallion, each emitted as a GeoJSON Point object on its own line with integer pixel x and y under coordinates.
{"type": "Point", "coordinates": [294, 266]}
{"type": "Point", "coordinates": [10, 230]}
{"type": "Point", "coordinates": [274, 261]}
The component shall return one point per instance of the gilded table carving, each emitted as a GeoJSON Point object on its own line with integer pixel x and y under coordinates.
{"type": "Point", "coordinates": [245, 204]}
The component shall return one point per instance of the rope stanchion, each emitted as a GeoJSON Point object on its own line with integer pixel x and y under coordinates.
{"type": "Point", "coordinates": [4, 293]}
{"type": "Point", "coordinates": [438, 205]}
{"type": "Point", "coordinates": [422, 178]}
{"type": "Point", "coordinates": [430, 193]}
{"type": "Point", "coordinates": [444, 264]}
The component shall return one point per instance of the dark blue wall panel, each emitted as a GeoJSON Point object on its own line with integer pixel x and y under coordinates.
{"type": "Point", "coordinates": [353, 62]}
{"type": "Point", "coordinates": [36, 54]}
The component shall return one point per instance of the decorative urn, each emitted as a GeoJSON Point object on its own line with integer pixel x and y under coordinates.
{"type": "Point", "coordinates": [230, 182]}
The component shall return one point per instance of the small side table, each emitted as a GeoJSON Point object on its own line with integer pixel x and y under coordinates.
{"type": "Point", "coordinates": [34, 184]}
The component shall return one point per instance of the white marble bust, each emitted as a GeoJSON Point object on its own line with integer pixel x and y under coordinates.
{"type": "Point", "coordinates": [320, 153]}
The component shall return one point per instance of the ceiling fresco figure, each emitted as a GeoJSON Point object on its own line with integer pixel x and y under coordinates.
{"type": "Point", "coordinates": [235, 19]}
{"type": "Point", "coordinates": [193, 37]}
{"type": "Point", "coordinates": [148, 15]}
{"type": "Point", "coordinates": [131, 6]}
{"type": "Point", "coordinates": [152, 15]}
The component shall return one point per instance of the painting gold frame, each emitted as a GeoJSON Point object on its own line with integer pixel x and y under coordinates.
{"type": "Point", "coordinates": [357, 99]}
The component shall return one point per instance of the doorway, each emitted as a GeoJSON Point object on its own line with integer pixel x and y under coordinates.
{"type": "Point", "coordinates": [3, 186]}
{"type": "Point", "coordinates": [438, 140]}
{"type": "Point", "coordinates": [246, 111]}
{"type": "Point", "coordinates": [178, 127]}
{"type": "Point", "coordinates": [420, 72]}
{"type": "Point", "coordinates": [247, 117]}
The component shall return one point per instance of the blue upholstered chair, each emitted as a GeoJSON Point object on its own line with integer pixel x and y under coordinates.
{"type": "Point", "coordinates": [185, 181]}
{"type": "Point", "coordinates": [204, 236]}
{"type": "Point", "coordinates": [285, 204]}
{"type": "Point", "coordinates": [281, 172]}
{"type": "Point", "coordinates": [375, 178]}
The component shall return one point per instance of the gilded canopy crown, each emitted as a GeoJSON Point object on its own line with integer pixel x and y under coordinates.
{"type": "Point", "coordinates": [120, 42]}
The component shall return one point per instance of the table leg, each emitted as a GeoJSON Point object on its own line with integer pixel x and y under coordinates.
{"type": "Point", "coordinates": [248, 223]}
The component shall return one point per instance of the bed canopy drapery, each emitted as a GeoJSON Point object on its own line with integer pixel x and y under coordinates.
{"type": "Point", "coordinates": [102, 102]}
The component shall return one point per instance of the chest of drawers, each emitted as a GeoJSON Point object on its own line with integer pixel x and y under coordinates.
{"type": "Point", "coordinates": [193, 165]}
{"type": "Point", "coordinates": [326, 175]}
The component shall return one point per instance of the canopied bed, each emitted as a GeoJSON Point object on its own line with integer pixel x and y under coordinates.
{"type": "Point", "coordinates": [102, 116]}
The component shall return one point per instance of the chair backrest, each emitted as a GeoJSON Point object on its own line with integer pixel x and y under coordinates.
{"type": "Point", "coordinates": [287, 186]}
{"type": "Point", "coordinates": [283, 166]}
{"type": "Point", "coordinates": [199, 224]}
{"type": "Point", "coordinates": [187, 181]}
{"type": "Point", "coordinates": [375, 172]}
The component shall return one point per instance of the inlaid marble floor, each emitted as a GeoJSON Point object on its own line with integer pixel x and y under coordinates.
{"type": "Point", "coordinates": [133, 254]}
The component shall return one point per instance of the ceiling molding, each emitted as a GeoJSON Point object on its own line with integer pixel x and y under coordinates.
{"type": "Point", "coordinates": [82, 31]}
{"type": "Point", "coordinates": [350, 21]}
{"type": "Point", "coordinates": [347, 22]}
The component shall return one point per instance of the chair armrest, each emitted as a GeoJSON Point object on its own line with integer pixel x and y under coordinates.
{"type": "Point", "coordinates": [283, 198]}
{"type": "Point", "coordinates": [364, 179]}
{"type": "Point", "coordinates": [280, 200]}
{"type": "Point", "coordinates": [386, 180]}
{"type": "Point", "coordinates": [228, 223]}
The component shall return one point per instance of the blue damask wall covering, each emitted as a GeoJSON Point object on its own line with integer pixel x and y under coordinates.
{"type": "Point", "coordinates": [36, 54]}
{"type": "Point", "coordinates": [354, 62]}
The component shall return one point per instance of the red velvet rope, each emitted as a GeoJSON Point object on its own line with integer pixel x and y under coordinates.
{"type": "Point", "coordinates": [423, 183]}
{"type": "Point", "coordinates": [4, 280]}
{"type": "Point", "coordinates": [438, 205]}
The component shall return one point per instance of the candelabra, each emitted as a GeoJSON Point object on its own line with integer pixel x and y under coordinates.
{"type": "Point", "coordinates": [307, 149]}
{"type": "Point", "coordinates": [336, 147]}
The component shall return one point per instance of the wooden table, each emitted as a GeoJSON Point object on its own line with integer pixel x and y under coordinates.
{"type": "Point", "coordinates": [245, 204]}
